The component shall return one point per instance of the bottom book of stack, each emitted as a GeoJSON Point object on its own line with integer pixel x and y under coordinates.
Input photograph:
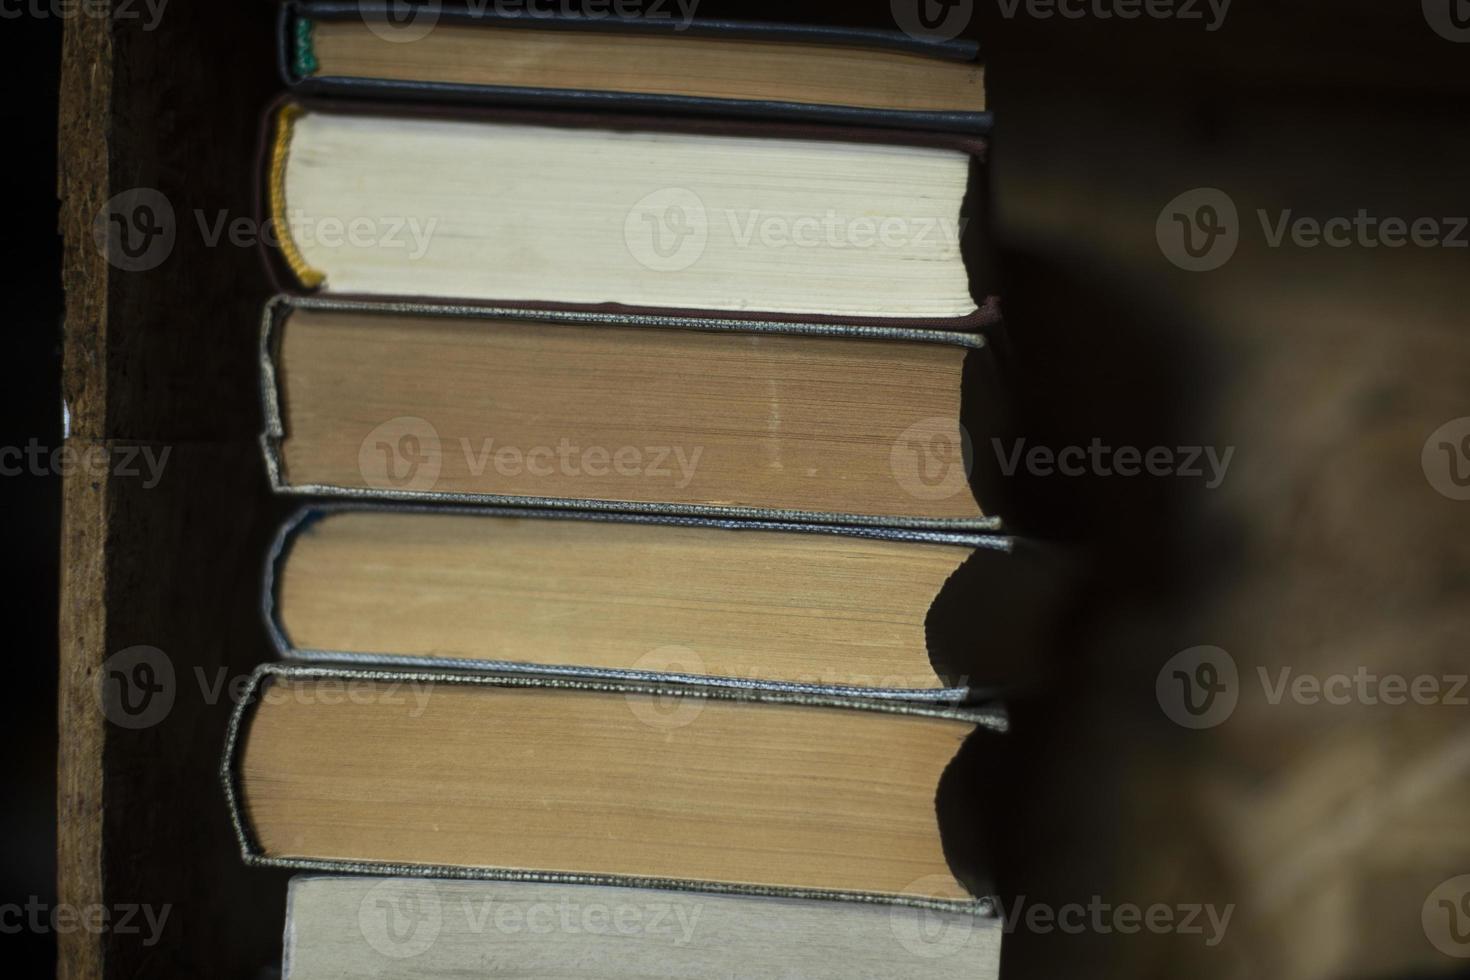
{"type": "Point", "coordinates": [430, 928]}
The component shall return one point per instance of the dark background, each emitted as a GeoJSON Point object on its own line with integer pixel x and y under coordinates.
{"type": "Point", "coordinates": [29, 52]}
{"type": "Point", "coordinates": [1326, 368]}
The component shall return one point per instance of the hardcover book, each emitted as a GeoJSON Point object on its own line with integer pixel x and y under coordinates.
{"type": "Point", "coordinates": [749, 605]}
{"type": "Point", "coordinates": [668, 215]}
{"type": "Point", "coordinates": [668, 63]}
{"type": "Point", "coordinates": [835, 424]}
{"type": "Point", "coordinates": [422, 929]}
{"type": "Point", "coordinates": [449, 774]}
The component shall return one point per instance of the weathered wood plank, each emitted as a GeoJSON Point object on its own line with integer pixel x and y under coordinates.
{"type": "Point", "coordinates": [86, 89]}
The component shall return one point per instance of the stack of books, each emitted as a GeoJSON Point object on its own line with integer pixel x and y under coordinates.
{"type": "Point", "coordinates": [651, 611]}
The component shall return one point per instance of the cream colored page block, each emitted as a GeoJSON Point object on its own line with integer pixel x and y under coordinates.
{"type": "Point", "coordinates": [407, 929]}
{"type": "Point", "coordinates": [427, 207]}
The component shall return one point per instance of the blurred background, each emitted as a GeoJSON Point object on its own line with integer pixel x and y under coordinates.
{"type": "Point", "coordinates": [1157, 172]}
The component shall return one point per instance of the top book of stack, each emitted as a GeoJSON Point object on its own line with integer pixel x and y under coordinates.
{"type": "Point", "coordinates": [662, 61]}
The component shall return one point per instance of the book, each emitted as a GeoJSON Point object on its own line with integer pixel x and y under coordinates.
{"type": "Point", "coordinates": [751, 605]}
{"type": "Point", "coordinates": [667, 63]}
{"type": "Point", "coordinates": [477, 775]}
{"type": "Point", "coordinates": [423, 928]}
{"type": "Point", "coordinates": [825, 423]}
{"type": "Point", "coordinates": [659, 214]}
